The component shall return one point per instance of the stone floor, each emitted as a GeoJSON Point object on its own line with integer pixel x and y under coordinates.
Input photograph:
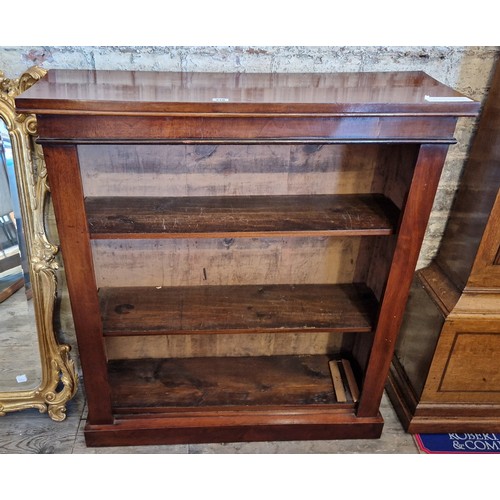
{"type": "Point", "coordinates": [31, 432]}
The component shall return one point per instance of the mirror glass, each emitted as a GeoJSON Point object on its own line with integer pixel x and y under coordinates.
{"type": "Point", "coordinates": [20, 366]}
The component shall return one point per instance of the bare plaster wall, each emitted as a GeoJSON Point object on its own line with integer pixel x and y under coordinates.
{"type": "Point", "coordinates": [467, 69]}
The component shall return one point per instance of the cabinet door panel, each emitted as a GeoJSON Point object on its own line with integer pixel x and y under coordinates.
{"type": "Point", "coordinates": [465, 364]}
{"type": "Point", "coordinates": [473, 363]}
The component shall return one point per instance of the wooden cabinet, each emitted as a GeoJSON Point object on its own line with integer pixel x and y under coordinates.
{"type": "Point", "coordinates": [239, 247]}
{"type": "Point", "coordinates": [453, 383]}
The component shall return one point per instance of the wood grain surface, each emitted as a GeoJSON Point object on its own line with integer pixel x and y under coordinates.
{"type": "Point", "coordinates": [236, 309]}
{"type": "Point", "coordinates": [241, 216]}
{"type": "Point", "coordinates": [347, 93]}
{"type": "Point", "coordinates": [205, 382]}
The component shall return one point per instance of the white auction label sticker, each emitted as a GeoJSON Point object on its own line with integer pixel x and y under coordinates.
{"type": "Point", "coordinates": [447, 99]}
{"type": "Point", "coordinates": [21, 378]}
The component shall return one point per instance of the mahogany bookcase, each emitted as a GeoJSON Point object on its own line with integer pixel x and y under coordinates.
{"type": "Point", "coordinates": [239, 247]}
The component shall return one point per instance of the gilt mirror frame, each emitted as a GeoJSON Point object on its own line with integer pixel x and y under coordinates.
{"type": "Point", "coordinates": [58, 375]}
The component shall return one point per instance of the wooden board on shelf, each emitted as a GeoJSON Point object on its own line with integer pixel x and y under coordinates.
{"type": "Point", "coordinates": [9, 286]}
{"type": "Point", "coordinates": [9, 262]}
{"type": "Point", "coordinates": [236, 309]}
{"type": "Point", "coordinates": [227, 399]}
{"type": "Point", "coordinates": [250, 216]}
{"type": "Point", "coordinates": [226, 382]}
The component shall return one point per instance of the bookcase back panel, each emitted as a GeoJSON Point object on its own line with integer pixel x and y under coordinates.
{"type": "Point", "coordinates": [227, 345]}
{"type": "Point", "coordinates": [230, 261]}
{"type": "Point", "coordinates": [225, 170]}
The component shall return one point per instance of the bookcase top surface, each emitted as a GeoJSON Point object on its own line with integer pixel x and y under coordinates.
{"type": "Point", "coordinates": [126, 92]}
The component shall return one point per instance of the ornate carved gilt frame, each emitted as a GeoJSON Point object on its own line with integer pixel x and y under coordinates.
{"type": "Point", "coordinates": [58, 375]}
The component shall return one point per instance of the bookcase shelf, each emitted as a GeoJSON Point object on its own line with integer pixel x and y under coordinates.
{"type": "Point", "coordinates": [243, 216]}
{"type": "Point", "coordinates": [203, 313]}
{"type": "Point", "coordinates": [224, 382]}
{"type": "Point", "coordinates": [237, 309]}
